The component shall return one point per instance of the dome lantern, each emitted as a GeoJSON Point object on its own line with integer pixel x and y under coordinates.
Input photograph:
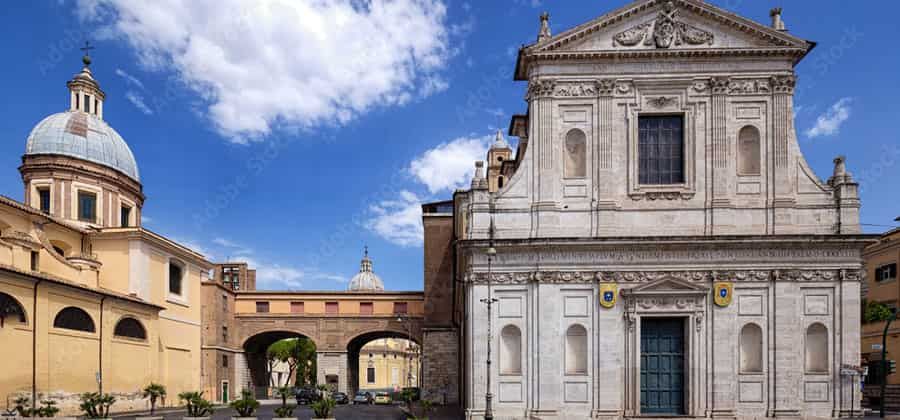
{"type": "Point", "coordinates": [366, 280]}
{"type": "Point", "coordinates": [85, 94]}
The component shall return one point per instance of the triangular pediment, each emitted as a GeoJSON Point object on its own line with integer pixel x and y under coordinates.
{"type": "Point", "coordinates": [667, 285]}
{"type": "Point", "coordinates": [669, 25]}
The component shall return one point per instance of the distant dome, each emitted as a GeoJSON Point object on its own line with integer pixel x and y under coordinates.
{"type": "Point", "coordinates": [366, 280]}
{"type": "Point", "coordinates": [83, 136]}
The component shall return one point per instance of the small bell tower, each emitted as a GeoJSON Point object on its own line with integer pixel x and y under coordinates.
{"type": "Point", "coordinates": [500, 152]}
{"type": "Point", "coordinates": [85, 94]}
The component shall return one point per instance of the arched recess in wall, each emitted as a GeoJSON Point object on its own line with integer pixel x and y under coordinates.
{"type": "Point", "coordinates": [510, 350]}
{"type": "Point", "coordinates": [751, 349]}
{"type": "Point", "coordinates": [817, 348]}
{"type": "Point", "coordinates": [576, 350]}
{"type": "Point", "coordinates": [500, 181]}
{"type": "Point", "coordinates": [11, 310]}
{"type": "Point", "coordinates": [576, 154]}
{"type": "Point", "coordinates": [749, 151]}
{"type": "Point", "coordinates": [72, 318]}
{"type": "Point", "coordinates": [130, 328]}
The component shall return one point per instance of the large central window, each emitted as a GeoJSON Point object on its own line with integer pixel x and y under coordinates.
{"type": "Point", "coordinates": [661, 150]}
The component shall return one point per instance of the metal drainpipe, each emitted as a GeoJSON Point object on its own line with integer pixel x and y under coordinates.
{"type": "Point", "coordinates": [34, 347]}
{"type": "Point", "coordinates": [100, 365]}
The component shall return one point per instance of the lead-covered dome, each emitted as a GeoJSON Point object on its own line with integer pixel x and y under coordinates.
{"type": "Point", "coordinates": [84, 136]}
{"type": "Point", "coordinates": [366, 280]}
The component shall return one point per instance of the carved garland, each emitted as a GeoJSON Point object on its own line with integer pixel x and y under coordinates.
{"type": "Point", "coordinates": [574, 277]}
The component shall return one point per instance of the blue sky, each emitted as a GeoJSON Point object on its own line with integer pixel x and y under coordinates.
{"type": "Point", "coordinates": [292, 137]}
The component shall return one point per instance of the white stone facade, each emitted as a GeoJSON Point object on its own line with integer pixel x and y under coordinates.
{"type": "Point", "coordinates": [574, 217]}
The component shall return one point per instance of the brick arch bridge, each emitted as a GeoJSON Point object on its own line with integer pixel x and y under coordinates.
{"type": "Point", "coordinates": [339, 323]}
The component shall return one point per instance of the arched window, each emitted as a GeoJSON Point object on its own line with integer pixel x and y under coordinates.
{"type": "Point", "coordinates": [751, 349]}
{"type": "Point", "coordinates": [748, 151]}
{"type": "Point", "coordinates": [61, 247]}
{"type": "Point", "coordinates": [130, 328]}
{"type": "Point", "coordinates": [576, 350]}
{"type": "Point", "coordinates": [510, 350]}
{"type": "Point", "coordinates": [73, 318]}
{"type": "Point", "coordinates": [10, 308]}
{"type": "Point", "coordinates": [817, 348]}
{"type": "Point", "coordinates": [576, 154]}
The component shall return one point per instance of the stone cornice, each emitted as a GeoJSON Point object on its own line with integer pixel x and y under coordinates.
{"type": "Point", "coordinates": [687, 276]}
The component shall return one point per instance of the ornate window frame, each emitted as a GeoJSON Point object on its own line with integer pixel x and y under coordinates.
{"type": "Point", "coordinates": [656, 102]}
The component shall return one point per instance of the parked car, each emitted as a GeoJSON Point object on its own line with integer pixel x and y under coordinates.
{"type": "Point", "coordinates": [383, 398]}
{"type": "Point", "coordinates": [362, 397]}
{"type": "Point", "coordinates": [340, 398]}
{"type": "Point", "coordinates": [307, 396]}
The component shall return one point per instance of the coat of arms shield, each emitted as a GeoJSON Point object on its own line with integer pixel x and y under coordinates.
{"type": "Point", "coordinates": [608, 292]}
{"type": "Point", "coordinates": [723, 291]}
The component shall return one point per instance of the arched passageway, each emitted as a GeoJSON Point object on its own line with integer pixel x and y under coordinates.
{"type": "Point", "coordinates": [383, 361]}
{"type": "Point", "coordinates": [268, 370]}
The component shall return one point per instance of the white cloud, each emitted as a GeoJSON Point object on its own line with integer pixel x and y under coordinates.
{"type": "Point", "coordinates": [130, 79]}
{"type": "Point", "coordinates": [194, 246]}
{"type": "Point", "coordinates": [263, 65]}
{"type": "Point", "coordinates": [829, 123]}
{"type": "Point", "coordinates": [137, 100]}
{"type": "Point", "coordinates": [398, 221]}
{"type": "Point", "coordinates": [450, 165]}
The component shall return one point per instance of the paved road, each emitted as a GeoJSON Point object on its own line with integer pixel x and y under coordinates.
{"type": "Point", "coordinates": [342, 412]}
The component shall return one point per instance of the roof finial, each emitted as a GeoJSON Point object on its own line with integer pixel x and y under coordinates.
{"type": "Point", "coordinates": [545, 27]}
{"type": "Point", "coordinates": [366, 250]}
{"type": "Point", "coordinates": [86, 59]}
{"type": "Point", "coordinates": [499, 141]}
{"type": "Point", "coordinates": [777, 23]}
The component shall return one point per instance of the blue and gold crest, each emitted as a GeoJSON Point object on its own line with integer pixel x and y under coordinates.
{"type": "Point", "coordinates": [723, 294]}
{"type": "Point", "coordinates": [608, 294]}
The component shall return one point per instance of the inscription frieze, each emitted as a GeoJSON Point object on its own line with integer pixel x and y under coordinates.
{"type": "Point", "coordinates": [695, 276]}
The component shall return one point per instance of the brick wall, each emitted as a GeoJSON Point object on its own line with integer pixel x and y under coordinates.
{"type": "Point", "coordinates": [440, 365]}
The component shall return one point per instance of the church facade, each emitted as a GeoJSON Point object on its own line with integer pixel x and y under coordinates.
{"type": "Point", "coordinates": [657, 244]}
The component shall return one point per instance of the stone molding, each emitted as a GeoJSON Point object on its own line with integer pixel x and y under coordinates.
{"type": "Point", "coordinates": [666, 31]}
{"type": "Point", "coordinates": [546, 87]}
{"type": "Point", "coordinates": [687, 276]}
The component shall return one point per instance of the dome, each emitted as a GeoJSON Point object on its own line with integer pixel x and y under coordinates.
{"type": "Point", "coordinates": [84, 136]}
{"type": "Point", "coordinates": [366, 280]}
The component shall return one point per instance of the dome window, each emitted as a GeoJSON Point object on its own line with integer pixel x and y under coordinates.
{"type": "Point", "coordinates": [44, 199]}
{"type": "Point", "coordinates": [87, 206]}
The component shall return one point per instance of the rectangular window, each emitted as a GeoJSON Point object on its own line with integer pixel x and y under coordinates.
{"type": "Point", "coordinates": [224, 360]}
{"type": "Point", "coordinates": [44, 197]}
{"type": "Point", "coordinates": [366, 308]}
{"type": "Point", "coordinates": [400, 307]}
{"type": "Point", "coordinates": [87, 103]}
{"type": "Point", "coordinates": [370, 375]}
{"type": "Point", "coordinates": [886, 272]}
{"type": "Point", "coordinates": [262, 307]}
{"type": "Point", "coordinates": [175, 277]}
{"type": "Point", "coordinates": [661, 150]}
{"type": "Point", "coordinates": [224, 303]}
{"type": "Point", "coordinates": [331, 307]}
{"type": "Point", "coordinates": [35, 260]}
{"type": "Point", "coordinates": [125, 216]}
{"type": "Point", "coordinates": [224, 334]}
{"type": "Point", "coordinates": [231, 277]}
{"type": "Point", "coordinates": [297, 307]}
{"type": "Point", "coordinates": [87, 207]}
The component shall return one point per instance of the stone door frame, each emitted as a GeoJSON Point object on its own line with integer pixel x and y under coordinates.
{"type": "Point", "coordinates": [667, 298]}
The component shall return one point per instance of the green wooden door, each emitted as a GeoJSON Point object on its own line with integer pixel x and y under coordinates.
{"type": "Point", "coordinates": [662, 366]}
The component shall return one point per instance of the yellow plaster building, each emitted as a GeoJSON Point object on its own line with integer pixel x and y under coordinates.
{"type": "Point", "coordinates": [89, 299]}
{"type": "Point", "coordinates": [388, 364]}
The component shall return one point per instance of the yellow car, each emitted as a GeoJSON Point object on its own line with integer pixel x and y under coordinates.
{"type": "Point", "coordinates": [382, 398]}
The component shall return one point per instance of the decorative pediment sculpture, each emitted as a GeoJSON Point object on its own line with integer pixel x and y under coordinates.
{"type": "Point", "coordinates": [664, 32]}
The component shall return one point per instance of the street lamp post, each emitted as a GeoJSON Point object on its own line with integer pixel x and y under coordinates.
{"type": "Point", "coordinates": [489, 301]}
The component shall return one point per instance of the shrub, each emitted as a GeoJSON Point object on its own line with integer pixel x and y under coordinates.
{"type": "Point", "coordinates": [323, 407]}
{"type": "Point", "coordinates": [23, 406]}
{"type": "Point", "coordinates": [285, 411]}
{"type": "Point", "coordinates": [196, 405]}
{"type": "Point", "coordinates": [246, 405]}
{"type": "Point", "coordinates": [96, 405]}
{"type": "Point", "coordinates": [49, 409]}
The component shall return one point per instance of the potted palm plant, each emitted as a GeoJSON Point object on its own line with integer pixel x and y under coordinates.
{"type": "Point", "coordinates": [245, 406]}
{"type": "Point", "coordinates": [286, 411]}
{"type": "Point", "coordinates": [153, 392]}
{"type": "Point", "coordinates": [96, 405]}
{"type": "Point", "coordinates": [323, 408]}
{"type": "Point", "coordinates": [198, 408]}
